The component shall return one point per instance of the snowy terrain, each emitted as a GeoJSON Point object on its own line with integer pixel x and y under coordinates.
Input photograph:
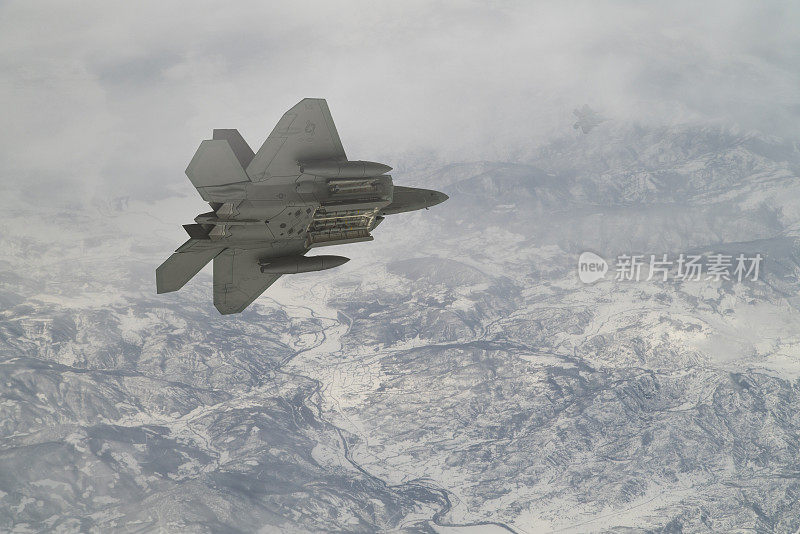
{"type": "Point", "coordinates": [455, 376]}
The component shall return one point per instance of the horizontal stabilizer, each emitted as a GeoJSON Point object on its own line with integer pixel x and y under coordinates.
{"type": "Point", "coordinates": [182, 266]}
{"type": "Point", "coordinates": [197, 231]}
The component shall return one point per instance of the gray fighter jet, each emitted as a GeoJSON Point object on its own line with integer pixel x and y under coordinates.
{"type": "Point", "coordinates": [298, 192]}
{"type": "Point", "coordinates": [588, 119]}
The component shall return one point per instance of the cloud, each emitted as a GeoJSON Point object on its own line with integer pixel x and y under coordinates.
{"type": "Point", "coordinates": [114, 98]}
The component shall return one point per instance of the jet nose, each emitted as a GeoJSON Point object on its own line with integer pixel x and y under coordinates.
{"type": "Point", "coordinates": [437, 198]}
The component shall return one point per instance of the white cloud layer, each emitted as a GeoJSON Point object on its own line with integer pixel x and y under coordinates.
{"type": "Point", "coordinates": [115, 97]}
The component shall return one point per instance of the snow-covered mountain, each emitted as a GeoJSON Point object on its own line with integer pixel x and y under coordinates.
{"type": "Point", "coordinates": [456, 372]}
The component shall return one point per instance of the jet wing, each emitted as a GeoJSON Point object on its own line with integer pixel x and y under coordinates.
{"type": "Point", "coordinates": [238, 280]}
{"type": "Point", "coordinates": [305, 133]}
{"type": "Point", "coordinates": [224, 166]}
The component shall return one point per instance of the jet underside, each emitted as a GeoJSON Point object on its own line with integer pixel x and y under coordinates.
{"type": "Point", "coordinates": [270, 208]}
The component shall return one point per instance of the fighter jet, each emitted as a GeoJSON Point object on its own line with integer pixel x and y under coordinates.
{"type": "Point", "coordinates": [269, 208]}
{"type": "Point", "coordinates": [588, 119]}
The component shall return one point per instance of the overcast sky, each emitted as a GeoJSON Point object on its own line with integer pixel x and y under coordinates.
{"type": "Point", "coordinates": [116, 97]}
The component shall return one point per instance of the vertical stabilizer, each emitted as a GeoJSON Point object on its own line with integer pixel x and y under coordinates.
{"type": "Point", "coordinates": [239, 146]}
